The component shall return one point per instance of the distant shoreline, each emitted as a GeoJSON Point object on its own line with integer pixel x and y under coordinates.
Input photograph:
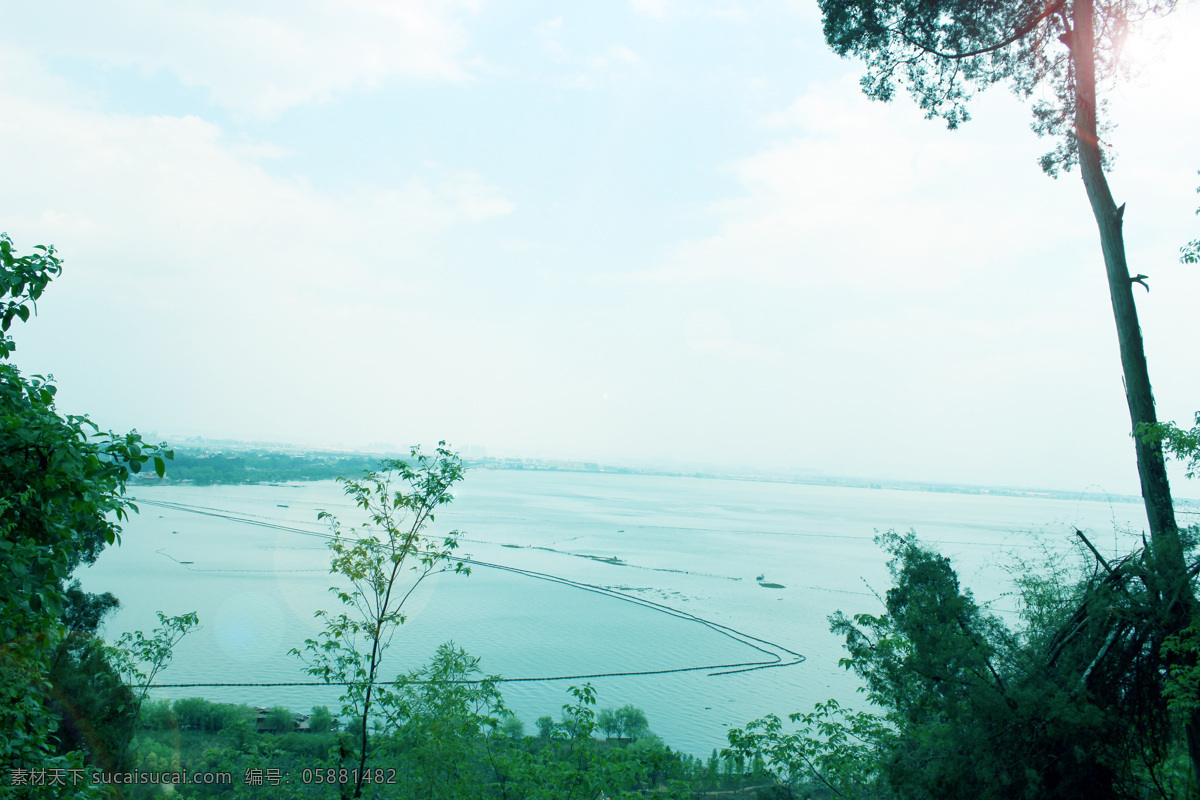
{"type": "Point", "coordinates": [232, 463]}
{"type": "Point", "coordinates": [852, 483]}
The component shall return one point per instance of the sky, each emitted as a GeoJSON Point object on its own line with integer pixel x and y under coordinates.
{"type": "Point", "coordinates": [632, 232]}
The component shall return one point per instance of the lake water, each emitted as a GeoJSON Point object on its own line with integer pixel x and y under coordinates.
{"type": "Point", "coordinates": [252, 562]}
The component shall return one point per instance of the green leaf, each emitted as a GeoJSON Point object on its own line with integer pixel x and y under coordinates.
{"type": "Point", "coordinates": [160, 466]}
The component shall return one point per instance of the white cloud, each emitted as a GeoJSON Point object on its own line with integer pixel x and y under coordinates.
{"type": "Point", "coordinates": [720, 9]}
{"type": "Point", "coordinates": [236, 293]}
{"type": "Point", "coordinates": [615, 56]}
{"type": "Point", "coordinates": [549, 33]}
{"type": "Point", "coordinates": [619, 52]}
{"type": "Point", "coordinates": [859, 193]}
{"type": "Point", "coordinates": [199, 202]}
{"type": "Point", "coordinates": [265, 58]}
{"type": "Point", "coordinates": [850, 192]}
{"type": "Point", "coordinates": [550, 27]}
{"type": "Point", "coordinates": [474, 199]}
{"type": "Point", "coordinates": [585, 71]}
{"type": "Point", "coordinates": [652, 8]}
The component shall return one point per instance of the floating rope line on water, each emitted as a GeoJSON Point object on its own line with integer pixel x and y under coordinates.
{"type": "Point", "coordinates": [220, 513]}
{"type": "Point", "coordinates": [776, 659]}
{"type": "Point", "coordinates": [724, 630]}
{"type": "Point", "coordinates": [250, 519]}
{"type": "Point", "coordinates": [500, 679]}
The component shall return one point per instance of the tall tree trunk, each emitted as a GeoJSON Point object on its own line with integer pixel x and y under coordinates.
{"type": "Point", "coordinates": [1156, 491]}
{"type": "Point", "coordinates": [1177, 602]}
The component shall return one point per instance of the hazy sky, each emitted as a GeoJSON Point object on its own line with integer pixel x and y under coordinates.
{"type": "Point", "coordinates": [646, 230]}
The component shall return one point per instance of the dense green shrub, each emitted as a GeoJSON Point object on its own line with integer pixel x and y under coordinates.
{"type": "Point", "coordinates": [1073, 705]}
{"type": "Point", "coordinates": [196, 713]}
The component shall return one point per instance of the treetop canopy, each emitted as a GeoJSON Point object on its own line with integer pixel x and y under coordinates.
{"type": "Point", "coordinates": [943, 51]}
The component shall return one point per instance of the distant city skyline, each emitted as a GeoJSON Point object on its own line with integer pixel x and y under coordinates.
{"type": "Point", "coordinates": [651, 231]}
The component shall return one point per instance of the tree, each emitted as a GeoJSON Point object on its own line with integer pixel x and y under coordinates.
{"type": "Point", "coordinates": [441, 714]}
{"type": "Point", "coordinates": [942, 50]}
{"type": "Point", "coordinates": [95, 707]}
{"type": "Point", "coordinates": [626, 722]}
{"type": "Point", "coordinates": [607, 722]}
{"type": "Point", "coordinates": [512, 726]}
{"type": "Point", "coordinates": [834, 748]}
{"type": "Point", "coordinates": [139, 659]}
{"type": "Point", "coordinates": [194, 713]}
{"type": "Point", "coordinates": [62, 500]}
{"type": "Point", "coordinates": [321, 720]}
{"type": "Point", "coordinates": [545, 726]}
{"type": "Point", "coordinates": [633, 721]}
{"type": "Point", "coordinates": [1071, 706]}
{"type": "Point", "coordinates": [570, 764]}
{"type": "Point", "coordinates": [400, 499]}
{"type": "Point", "coordinates": [158, 715]}
{"type": "Point", "coordinates": [280, 720]}
{"type": "Point", "coordinates": [198, 714]}
{"type": "Point", "coordinates": [712, 770]}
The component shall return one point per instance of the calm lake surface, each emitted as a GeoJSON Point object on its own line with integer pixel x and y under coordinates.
{"type": "Point", "coordinates": [252, 562]}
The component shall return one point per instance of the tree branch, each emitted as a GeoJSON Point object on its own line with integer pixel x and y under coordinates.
{"type": "Point", "coordinates": [1021, 31]}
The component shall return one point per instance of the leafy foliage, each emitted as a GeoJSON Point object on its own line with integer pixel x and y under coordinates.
{"type": "Point", "coordinates": [139, 658]}
{"type": "Point", "coordinates": [1076, 706]}
{"type": "Point", "coordinates": [627, 722]}
{"type": "Point", "coordinates": [545, 726]}
{"type": "Point", "coordinates": [400, 499]}
{"type": "Point", "coordinates": [62, 500]}
{"type": "Point", "coordinates": [280, 720]}
{"type": "Point", "coordinates": [512, 726]}
{"type": "Point", "coordinates": [23, 279]}
{"type": "Point", "coordinates": [569, 764]}
{"type": "Point", "coordinates": [159, 715]}
{"type": "Point", "coordinates": [438, 721]}
{"type": "Point", "coordinates": [833, 748]}
{"type": "Point", "coordinates": [1178, 442]}
{"type": "Point", "coordinates": [471, 752]}
{"type": "Point", "coordinates": [204, 467]}
{"type": "Point", "coordinates": [198, 714]}
{"type": "Point", "coordinates": [321, 720]}
{"type": "Point", "coordinates": [95, 707]}
{"type": "Point", "coordinates": [1190, 252]}
{"type": "Point", "coordinates": [944, 51]}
